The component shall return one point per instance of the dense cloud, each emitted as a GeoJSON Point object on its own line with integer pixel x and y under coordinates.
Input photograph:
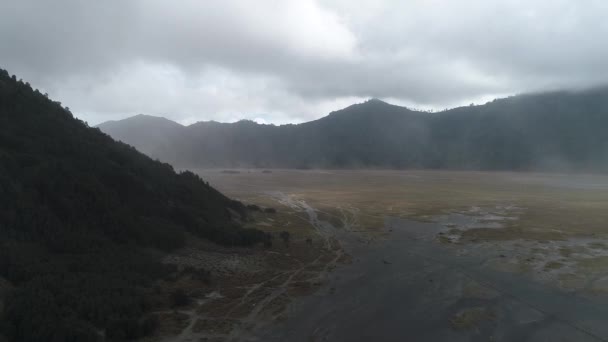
{"type": "Point", "coordinates": [287, 61]}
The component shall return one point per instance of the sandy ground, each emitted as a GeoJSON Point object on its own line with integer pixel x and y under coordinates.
{"type": "Point", "coordinates": [447, 256]}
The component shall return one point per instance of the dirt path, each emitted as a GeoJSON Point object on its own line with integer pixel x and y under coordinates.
{"type": "Point", "coordinates": [262, 311]}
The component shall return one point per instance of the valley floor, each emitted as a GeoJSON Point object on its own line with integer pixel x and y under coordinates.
{"type": "Point", "coordinates": [420, 255]}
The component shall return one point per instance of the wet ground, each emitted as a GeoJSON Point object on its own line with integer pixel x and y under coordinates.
{"type": "Point", "coordinates": [409, 287]}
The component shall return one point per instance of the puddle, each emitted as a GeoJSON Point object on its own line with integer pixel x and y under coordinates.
{"type": "Point", "coordinates": [456, 223]}
{"type": "Point", "coordinates": [575, 264]}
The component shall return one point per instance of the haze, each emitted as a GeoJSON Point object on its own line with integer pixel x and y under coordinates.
{"type": "Point", "coordinates": [293, 61]}
{"type": "Point", "coordinates": [303, 170]}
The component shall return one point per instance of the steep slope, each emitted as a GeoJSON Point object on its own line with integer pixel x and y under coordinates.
{"type": "Point", "coordinates": [562, 131]}
{"type": "Point", "coordinates": [550, 131]}
{"type": "Point", "coordinates": [84, 221]}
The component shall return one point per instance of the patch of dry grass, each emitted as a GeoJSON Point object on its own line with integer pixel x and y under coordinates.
{"type": "Point", "coordinates": [594, 264]}
{"type": "Point", "coordinates": [554, 206]}
{"type": "Point", "coordinates": [471, 318]}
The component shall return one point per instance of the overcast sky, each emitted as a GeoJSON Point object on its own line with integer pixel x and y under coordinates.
{"type": "Point", "coordinates": [281, 61]}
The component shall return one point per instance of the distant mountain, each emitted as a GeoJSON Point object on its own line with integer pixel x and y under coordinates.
{"type": "Point", "coordinates": [84, 222]}
{"type": "Point", "coordinates": [548, 131]}
{"type": "Point", "coordinates": [372, 130]}
{"type": "Point", "coordinates": [144, 132]}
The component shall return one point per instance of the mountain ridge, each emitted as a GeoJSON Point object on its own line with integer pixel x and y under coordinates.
{"type": "Point", "coordinates": [137, 117]}
{"type": "Point", "coordinates": [549, 131]}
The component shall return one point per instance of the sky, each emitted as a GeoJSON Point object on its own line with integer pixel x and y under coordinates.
{"type": "Point", "coordinates": [289, 61]}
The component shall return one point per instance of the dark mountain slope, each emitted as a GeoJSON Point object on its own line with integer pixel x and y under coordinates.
{"type": "Point", "coordinates": [83, 222]}
{"type": "Point", "coordinates": [550, 131]}
{"type": "Point", "coordinates": [371, 134]}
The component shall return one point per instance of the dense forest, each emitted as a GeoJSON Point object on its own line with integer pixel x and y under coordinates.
{"type": "Point", "coordinates": [84, 221]}
{"type": "Point", "coordinates": [556, 131]}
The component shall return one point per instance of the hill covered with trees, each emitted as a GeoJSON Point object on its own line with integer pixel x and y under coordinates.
{"type": "Point", "coordinates": [556, 131]}
{"type": "Point", "coordinates": [84, 221]}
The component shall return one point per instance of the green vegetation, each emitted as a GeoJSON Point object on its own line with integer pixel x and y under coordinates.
{"type": "Point", "coordinates": [84, 221]}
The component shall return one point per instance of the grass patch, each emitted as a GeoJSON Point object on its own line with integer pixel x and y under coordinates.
{"type": "Point", "coordinates": [468, 319]}
{"type": "Point", "coordinates": [553, 205]}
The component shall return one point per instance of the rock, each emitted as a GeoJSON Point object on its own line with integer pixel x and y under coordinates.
{"type": "Point", "coordinates": [270, 210]}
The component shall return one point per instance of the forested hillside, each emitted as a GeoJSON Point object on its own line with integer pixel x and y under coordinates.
{"type": "Point", "coordinates": [84, 221]}
{"type": "Point", "coordinates": [557, 131]}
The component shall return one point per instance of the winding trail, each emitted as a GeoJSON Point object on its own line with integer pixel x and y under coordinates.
{"type": "Point", "coordinates": [258, 318]}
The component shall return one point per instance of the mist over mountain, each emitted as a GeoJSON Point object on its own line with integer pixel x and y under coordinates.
{"type": "Point", "coordinates": [554, 131]}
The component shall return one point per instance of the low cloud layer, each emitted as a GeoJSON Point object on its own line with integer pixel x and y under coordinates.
{"type": "Point", "coordinates": [285, 61]}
